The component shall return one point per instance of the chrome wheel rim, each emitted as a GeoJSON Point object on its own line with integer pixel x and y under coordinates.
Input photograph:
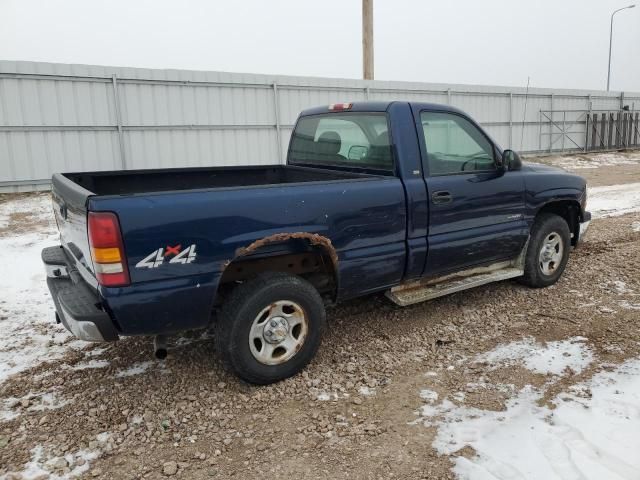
{"type": "Point", "coordinates": [278, 332]}
{"type": "Point", "coordinates": [551, 252]}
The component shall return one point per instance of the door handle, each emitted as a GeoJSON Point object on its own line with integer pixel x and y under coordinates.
{"type": "Point", "coordinates": [441, 197]}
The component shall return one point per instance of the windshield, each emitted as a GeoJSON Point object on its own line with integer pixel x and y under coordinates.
{"type": "Point", "coordinates": [352, 140]}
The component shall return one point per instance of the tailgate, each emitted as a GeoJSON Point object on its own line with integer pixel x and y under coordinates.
{"type": "Point", "coordinates": [70, 209]}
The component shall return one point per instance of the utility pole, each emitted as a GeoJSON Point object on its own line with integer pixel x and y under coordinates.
{"type": "Point", "coordinates": [367, 39]}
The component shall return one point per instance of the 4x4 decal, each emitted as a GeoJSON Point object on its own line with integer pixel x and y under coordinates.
{"type": "Point", "coordinates": [157, 257]}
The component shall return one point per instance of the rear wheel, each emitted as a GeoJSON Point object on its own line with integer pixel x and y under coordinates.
{"type": "Point", "coordinates": [548, 251]}
{"type": "Point", "coordinates": [270, 327]}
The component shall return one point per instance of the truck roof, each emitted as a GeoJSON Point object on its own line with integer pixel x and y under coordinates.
{"type": "Point", "coordinates": [378, 106]}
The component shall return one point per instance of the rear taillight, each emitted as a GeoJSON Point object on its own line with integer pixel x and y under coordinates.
{"type": "Point", "coordinates": [107, 250]}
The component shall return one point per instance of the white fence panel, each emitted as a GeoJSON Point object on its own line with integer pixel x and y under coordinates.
{"type": "Point", "coordinates": [57, 117]}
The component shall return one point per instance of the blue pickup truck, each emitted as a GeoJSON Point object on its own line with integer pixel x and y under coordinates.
{"type": "Point", "coordinates": [413, 199]}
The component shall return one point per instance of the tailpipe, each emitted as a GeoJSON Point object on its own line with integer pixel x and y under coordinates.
{"type": "Point", "coordinates": [160, 347]}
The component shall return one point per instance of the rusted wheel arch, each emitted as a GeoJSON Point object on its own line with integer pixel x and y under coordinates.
{"type": "Point", "coordinates": [242, 267]}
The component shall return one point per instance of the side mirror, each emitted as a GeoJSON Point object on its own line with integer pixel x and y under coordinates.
{"type": "Point", "coordinates": [357, 152]}
{"type": "Point", "coordinates": [511, 160]}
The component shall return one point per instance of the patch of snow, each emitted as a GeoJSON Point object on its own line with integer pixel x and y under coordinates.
{"type": "Point", "coordinates": [431, 374]}
{"type": "Point", "coordinates": [475, 386]}
{"type": "Point", "coordinates": [635, 226]}
{"type": "Point", "coordinates": [137, 419]}
{"type": "Point", "coordinates": [431, 411]}
{"type": "Point", "coordinates": [37, 208]}
{"type": "Point", "coordinates": [428, 395]}
{"type": "Point", "coordinates": [587, 305]}
{"type": "Point", "coordinates": [613, 200]}
{"type": "Point", "coordinates": [324, 396]}
{"type": "Point", "coordinates": [135, 369]}
{"type": "Point", "coordinates": [41, 466]}
{"type": "Point", "coordinates": [628, 305]}
{"type": "Point", "coordinates": [366, 391]}
{"type": "Point", "coordinates": [96, 352]}
{"type": "Point", "coordinates": [585, 437]}
{"type": "Point", "coordinates": [46, 401]}
{"type": "Point", "coordinates": [188, 338]}
{"type": "Point", "coordinates": [551, 358]}
{"type": "Point", "coordinates": [7, 411]}
{"type": "Point", "coordinates": [103, 437]}
{"type": "Point", "coordinates": [91, 364]}
{"type": "Point", "coordinates": [36, 402]}
{"type": "Point", "coordinates": [459, 396]}
{"type": "Point", "coordinates": [598, 160]}
{"type": "Point", "coordinates": [620, 286]}
{"type": "Point", "coordinates": [28, 332]}
{"type": "Point", "coordinates": [604, 309]}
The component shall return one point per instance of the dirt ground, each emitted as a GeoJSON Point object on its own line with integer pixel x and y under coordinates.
{"type": "Point", "coordinates": [352, 412]}
{"type": "Point", "coordinates": [613, 168]}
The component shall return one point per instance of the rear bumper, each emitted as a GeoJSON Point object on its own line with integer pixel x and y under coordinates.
{"type": "Point", "coordinates": [78, 306]}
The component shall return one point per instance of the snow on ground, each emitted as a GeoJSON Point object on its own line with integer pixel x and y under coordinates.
{"type": "Point", "coordinates": [37, 208]}
{"type": "Point", "coordinates": [137, 369]}
{"type": "Point", "coordinates": [28, 333]}
{"type": "Point", "coordinates": [597, 160]}
{"type": "Point", "coordinates": [428, 395]}
{"type": "Point", "coordinates": [325, 396]}
{"type": "Point", "coordinates": [592, 433]}
{"type": "Point", "coordinates": [43, 465]}
{"type": "Point", "coordinates": [621, 289]}
{"type": "Point", "coordinates": [366, 391]}
{"type": "Point", "coordinates": [90, 364]}
{"type": "Point", "coordinates": [635, 226]}
{"type": "Point", "coordinates": [629, 305]}
{"type": "Point", "coordinates": [33, 402]}
{"type": "Point", "coordinates": [613, 200]}
{"type": "Point", "coordinates": [553, 358]}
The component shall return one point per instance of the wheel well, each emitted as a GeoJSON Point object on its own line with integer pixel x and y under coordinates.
{"type": "Point", "coordinates": [298, 256]}
{"type": "Point", "coordinates": [569, 211]}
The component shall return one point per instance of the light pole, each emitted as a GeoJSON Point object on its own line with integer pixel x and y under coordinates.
{"type": "Point", "coordinates": [611, 40]}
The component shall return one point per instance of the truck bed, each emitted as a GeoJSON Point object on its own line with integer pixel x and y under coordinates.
{"type": "Point", "coordinates": [146, 181]}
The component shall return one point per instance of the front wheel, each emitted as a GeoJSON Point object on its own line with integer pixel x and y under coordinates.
{"type": "Point", "coordinates": [270, 327]}
{"type": "Point", "coordinates": [548, 251]}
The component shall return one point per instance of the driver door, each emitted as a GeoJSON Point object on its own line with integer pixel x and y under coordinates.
{"type": "Point", "coordinates": [476, 211]}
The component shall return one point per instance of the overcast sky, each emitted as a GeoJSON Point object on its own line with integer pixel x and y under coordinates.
{"type": "Point", "coordinates": [558, 43]}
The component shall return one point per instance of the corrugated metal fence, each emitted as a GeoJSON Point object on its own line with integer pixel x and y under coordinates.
{"type": "Point", "coordinates": [58, 117]}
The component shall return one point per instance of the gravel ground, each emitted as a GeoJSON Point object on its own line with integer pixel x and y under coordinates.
{"type": "Point", "coordinates": [111, 411]}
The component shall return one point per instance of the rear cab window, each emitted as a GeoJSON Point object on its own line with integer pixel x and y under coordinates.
{"type": "Point", "coordinates": [353, 141]}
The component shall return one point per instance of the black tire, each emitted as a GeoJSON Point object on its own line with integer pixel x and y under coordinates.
{"type": "Point", "coordinates": [545, 225]}
{"type": "Point", "coordinates": [242, 308]}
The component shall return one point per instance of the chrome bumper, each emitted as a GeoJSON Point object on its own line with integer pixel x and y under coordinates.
{"type": "Point", "coordinates": [78, 306]}
{"type": "Point", "coordinates": [584, 225]}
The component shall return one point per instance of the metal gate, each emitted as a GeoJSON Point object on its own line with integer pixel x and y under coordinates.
{"type": "Point", "coordinates": [561, 130]}
{"type": "Point", "coordinates": [612, 130]}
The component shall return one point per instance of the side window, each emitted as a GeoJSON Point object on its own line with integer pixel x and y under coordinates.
{"type": "Point", "coordinates": [455, 145]}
